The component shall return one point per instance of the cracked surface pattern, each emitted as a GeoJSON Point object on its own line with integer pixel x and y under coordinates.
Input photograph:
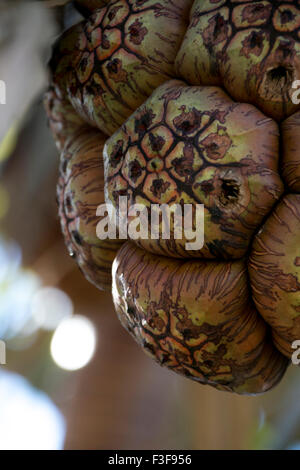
{"type": "Point", "coordinates": [188, 102]}
{"type": "Point", "coordinates": [250, 48]}
{"type": "Point", "coordinates": [194, 145]}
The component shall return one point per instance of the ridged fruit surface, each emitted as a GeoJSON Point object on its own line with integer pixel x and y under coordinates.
{"type": "Point", "coordinates": [80, 191]}
{"type": "Point", "coordinates": [250, 48]}
{"type": "Point", "coordinates": [64, 122]}
{"type": "Point", "coordinates": [188, 102]}
{"type": "Point", "coordinates": [291, 152]}
{"type": "Point", "coordinates": [194, 145]}
{"type": "Point", "coordinates": [109, 64]}
{"type": "Point", "coordinates": [197, 318]}
{"type": "Point", "coordinates": [275, 272]}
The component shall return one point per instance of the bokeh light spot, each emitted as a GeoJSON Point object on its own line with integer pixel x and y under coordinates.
{"type": "Point", "coordinates": [73, 343]}
{"type": "Point", "coordinates": [50, 306]}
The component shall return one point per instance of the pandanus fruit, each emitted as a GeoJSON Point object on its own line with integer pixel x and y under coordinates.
{"type": "Point", "coordinates": [188, 103]}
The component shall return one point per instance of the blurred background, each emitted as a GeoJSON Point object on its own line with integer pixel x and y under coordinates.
{"type": "Point", "coordinates": [73, 378]}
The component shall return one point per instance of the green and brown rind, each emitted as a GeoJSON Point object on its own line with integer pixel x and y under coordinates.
{"type": "Point", "coordinates": [80, 191]}
{"type": "Point", "coordinates": [227, 137]}
{"type": "Point", "coordinates": [194, 145]}
{"type": "Point", "coordinates": [274, 268]}
{"type": "Point", "coordinates": [196, 318]}
{"type": "Point", "coordinates": [252, 49]}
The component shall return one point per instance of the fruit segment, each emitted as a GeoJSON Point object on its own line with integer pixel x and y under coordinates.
{"type": "Point", "coordinates": [250, 48]}
{"type": "Point", "coordinates": [291, 152]}
{"type": "Point", "coordinates": [79, 193]}
{"type": "Point", "coordinates": [274, 269]}
{"type": "Point", "coordinates": [109, 64]}
{"type": "Point", "coordinates": [194, 145]}
{"type": "Point", "coordinates": [196, 318]}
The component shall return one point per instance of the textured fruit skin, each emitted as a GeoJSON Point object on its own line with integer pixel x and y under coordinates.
{"type": "Point", "coordinates": [80, 191]}
{"type": "Point", "coordinates": [194, 145]}
{"type": "Point", "coordinates": [274, 269]}
{"type": "Point", "coordinates": [227, 137]}
{"type": "Point", "coordinates": [197, 318]}
{"type": "Point", "coordinates": [250, 48]}
{"type": "Point", "coordinates": [64, 122]}
{"type": "Point", "coordinates": [108, 65]}
{"type": "Point", "coordinates": [291, 152]}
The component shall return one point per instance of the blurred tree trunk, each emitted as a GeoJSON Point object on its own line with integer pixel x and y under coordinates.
{"type": "Point", "coordinates": [27, 30]}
